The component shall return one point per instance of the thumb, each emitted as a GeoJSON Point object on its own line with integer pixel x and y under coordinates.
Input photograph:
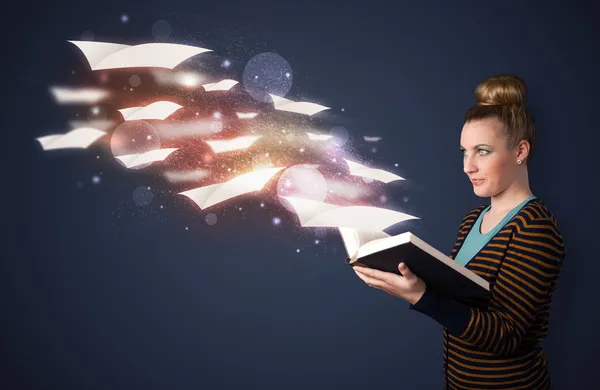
{"type": "Point", "coordinates": [405, 271]}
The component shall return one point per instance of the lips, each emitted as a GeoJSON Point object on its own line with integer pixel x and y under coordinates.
{"type": "Point", "coordinates": [476, 181]}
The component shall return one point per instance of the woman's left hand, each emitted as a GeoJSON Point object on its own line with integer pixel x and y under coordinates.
{"type": "Point", "coordinates": [408, 287]}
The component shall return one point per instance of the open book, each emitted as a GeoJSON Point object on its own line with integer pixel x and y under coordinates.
{"type": "Point", "coordinates": [381, 251]}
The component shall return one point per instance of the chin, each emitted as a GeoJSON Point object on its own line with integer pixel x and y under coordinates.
{"type": "Point", "coordinates": [482, 192]}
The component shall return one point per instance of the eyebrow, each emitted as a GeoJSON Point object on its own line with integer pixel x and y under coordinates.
{"type": "Point", "coordinates": [476, 146]}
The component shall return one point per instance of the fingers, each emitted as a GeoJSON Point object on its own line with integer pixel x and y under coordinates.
{"type": "Point", "coordinates": [374, 273]}
{"type": "Point", "coordinates": [370, 280]}
{"type": "Point", "coordinates": [406, 272]}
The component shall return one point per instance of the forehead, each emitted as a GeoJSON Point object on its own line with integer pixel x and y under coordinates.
{"type": "Point", "coordinates": [481, 131]}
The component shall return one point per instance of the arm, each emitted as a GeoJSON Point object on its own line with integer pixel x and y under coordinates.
{"type": "Point", "coordinates": [532, 263]}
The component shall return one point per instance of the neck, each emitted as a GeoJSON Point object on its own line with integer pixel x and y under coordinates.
{"type": "Point", "coordinates": [513, 195]}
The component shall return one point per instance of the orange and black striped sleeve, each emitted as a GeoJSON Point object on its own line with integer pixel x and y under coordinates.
{"type": "Point", "coordinates": [524, 284]}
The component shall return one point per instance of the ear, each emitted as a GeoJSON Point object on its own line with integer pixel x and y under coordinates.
{"type": "Point", "coordinates": [523, 150]}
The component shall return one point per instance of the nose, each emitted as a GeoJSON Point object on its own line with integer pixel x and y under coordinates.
{"type": "Point", "coordinates": [469, 165]}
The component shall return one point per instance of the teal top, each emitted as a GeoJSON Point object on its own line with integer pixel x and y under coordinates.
{"type": "Point", "coordinates": [476, 240]}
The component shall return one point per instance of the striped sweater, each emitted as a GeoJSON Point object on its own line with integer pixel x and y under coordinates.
{"type": "Point", "coordinates": [494, 342]}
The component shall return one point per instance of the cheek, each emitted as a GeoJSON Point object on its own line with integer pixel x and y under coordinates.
{"type": "Point", "coordinates": [495, 170]}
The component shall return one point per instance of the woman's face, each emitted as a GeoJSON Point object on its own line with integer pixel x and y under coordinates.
{"type": "Point", "coordinates": [486, 160]}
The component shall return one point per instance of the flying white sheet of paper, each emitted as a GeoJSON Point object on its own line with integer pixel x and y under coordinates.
{"type": "Point", "coordinates": [228, 145]}
{"type": "Point", "coordinates": [246, 115]}
{"type": "Point", "coordinates": [348, 190]}
{"type": "Point", "coordinates": [176, 177]}
{"type": "Point", "coordinates": [223, 85]}
{"type": "Point", "coordinates": [306, 108]}
{"type": "Point", "coordinates": [319, 137]}
{"type": "Point", "coordinates": [104, 55]}
{"type": "Point", "coordinates": [180, 78]}
{"type": "Point", "coordinates": [313, 213]}
{"type": "Point", "coordinates": [357, 169]}
{"type": "Point", "coordinates": [100, 124]}
{"type": "Point", "coordinates": [216, 193]}
{"type": "Point", "coordinates": [157, 110]}
{"type": "Point", "coordinates": [371, 139]}
{"type": "Point", "coordinates": [66, 95]}
{"type": "Point", "coordinates": [79, 138]}
{"type": "Point", "coordinates": [168, 130]}
{"type": "Point", "coordinates": [137, 159]}
{"type": "Point", "coordinates": [188, 79]}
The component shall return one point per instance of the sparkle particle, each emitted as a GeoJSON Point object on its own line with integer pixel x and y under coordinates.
{"type": "Point", "coordinates": [226, 64]}
{"type": "Point", "coordinates": [262, 204]}
{"type": "Point", "coordinates": [149, 137]}
{"type": "Point", "coordinates": [124, 18]}
{"type": "Point", "coordinates": [276, 221]}
{"type": "Point", "coordinates": [343, 109]}
{"type": "Point", "coordinates": [297, 250]}
{"type": "Point", "coordinates": [186, 228]}
{"type": "Point", "coordinates": [316, 241]}
{"type": "Point", "coordinates": [396, 164]}
{"type": "Point", "coordinates": [96, 179]}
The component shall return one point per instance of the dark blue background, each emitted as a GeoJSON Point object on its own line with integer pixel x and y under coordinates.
{"type": "Point", "coordinates": [98, 293]}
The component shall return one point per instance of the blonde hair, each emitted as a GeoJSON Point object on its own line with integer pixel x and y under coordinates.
{"type": "Point", "coordinates": [502, 97]}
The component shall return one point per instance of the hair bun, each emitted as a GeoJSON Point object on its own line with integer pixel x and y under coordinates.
{"type": "Point", "coordinates": [499, 90]}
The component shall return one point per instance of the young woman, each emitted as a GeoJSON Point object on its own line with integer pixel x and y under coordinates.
{"type": "Point", "coordinates": [513, 242]}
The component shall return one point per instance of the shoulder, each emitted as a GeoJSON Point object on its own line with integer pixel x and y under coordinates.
{"type": "Point", "coordinates": [536, 212]}
{"type": "Point", "coordinates": [536, 226]}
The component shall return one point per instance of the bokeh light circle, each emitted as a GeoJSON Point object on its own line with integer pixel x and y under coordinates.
{"type": "Point", "coordinates": [161, 30]}
{"type": "Point", "coordinates": [267, 73]}
{"type": "Point", "coordinates": [132, 137]}
{"type": "Point", "coordinates": [142, 196]}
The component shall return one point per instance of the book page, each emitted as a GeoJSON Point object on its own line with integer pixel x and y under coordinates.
{"type": "Point", "coordinates": [313, 213]}
{"type": "Point", "coordinates": [353, 239]}
{"type": "Point", "coordinates": [350, 240]}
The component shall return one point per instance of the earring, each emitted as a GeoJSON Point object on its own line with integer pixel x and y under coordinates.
{"type": "Point", "coordinates": [519, 161]}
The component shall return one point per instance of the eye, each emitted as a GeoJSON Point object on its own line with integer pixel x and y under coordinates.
{"type": "Point", "coordinates": [485, 152]}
